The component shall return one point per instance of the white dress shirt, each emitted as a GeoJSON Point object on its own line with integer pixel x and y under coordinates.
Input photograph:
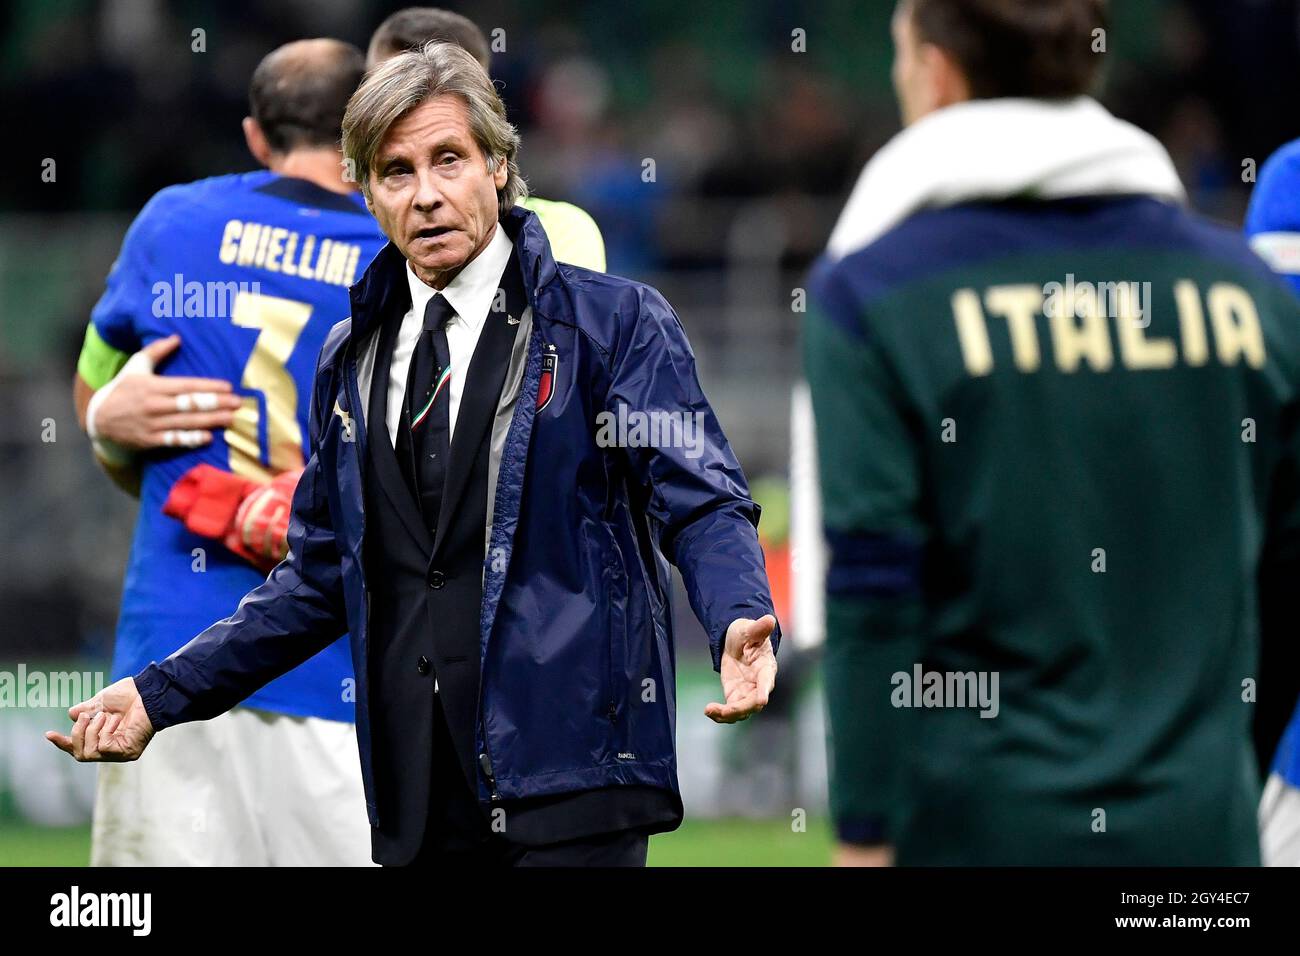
{"type": "Point", "coordinates": [470, 294]}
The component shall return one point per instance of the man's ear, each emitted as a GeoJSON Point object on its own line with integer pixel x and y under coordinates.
{"type": "Point", "coordinates": [501, 175]}
{"type": "Point", "coordinates": [948, 81]}
{"type": "Point", "coordinates": [256, 140]}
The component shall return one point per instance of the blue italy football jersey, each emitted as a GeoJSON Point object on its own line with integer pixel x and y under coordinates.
{"type": "Point", "coordinates": [251, 271]}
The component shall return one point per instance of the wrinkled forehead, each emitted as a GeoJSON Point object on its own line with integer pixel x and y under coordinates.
{"type": "Point", "coordinates": [439, 122]}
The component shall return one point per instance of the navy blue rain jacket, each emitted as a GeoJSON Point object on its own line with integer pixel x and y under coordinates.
{"type": "Point", "coordinates": [576, 625]}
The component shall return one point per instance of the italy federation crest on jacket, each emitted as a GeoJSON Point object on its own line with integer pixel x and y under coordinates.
{"type": "Point", "coordinates": [546, 384]}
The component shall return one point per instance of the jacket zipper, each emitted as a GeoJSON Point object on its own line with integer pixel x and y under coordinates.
{"type": "Point", "coordinates": [485, 758]}
{"type": "Point", "coordinates": [354, 400]}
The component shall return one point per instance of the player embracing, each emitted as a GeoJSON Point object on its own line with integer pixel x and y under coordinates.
{"type": "Point", "coordinates": [228, 286]}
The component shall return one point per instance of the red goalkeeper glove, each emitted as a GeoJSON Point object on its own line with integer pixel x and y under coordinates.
{"type": "Point", "coordinates": [249, 517]}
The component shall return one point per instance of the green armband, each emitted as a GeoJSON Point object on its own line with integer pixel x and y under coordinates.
{"type": "Point", "coordinates": [99, 362]}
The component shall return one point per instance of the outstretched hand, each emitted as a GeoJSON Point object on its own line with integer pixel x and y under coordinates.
{"type": "Point", "coordinates": [748, 670]}
{"type": "Point", "coordinates": [111, 727]}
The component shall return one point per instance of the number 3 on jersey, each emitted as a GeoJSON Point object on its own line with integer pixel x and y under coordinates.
{"type": "Point", "coordinates": [265, 437]}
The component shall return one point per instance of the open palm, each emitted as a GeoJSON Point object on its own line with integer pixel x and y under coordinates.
{"type": "Point", "coordinates": [748, 670]}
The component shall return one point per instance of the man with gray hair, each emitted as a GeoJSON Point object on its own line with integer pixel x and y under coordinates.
{"type": "Point", "coordinates": [572, 233]}
{"type": "Point", "coordinates": [502, 571]}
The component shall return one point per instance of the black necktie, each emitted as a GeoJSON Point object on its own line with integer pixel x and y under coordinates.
{"type": "Point", "coordinates": [424, 432]}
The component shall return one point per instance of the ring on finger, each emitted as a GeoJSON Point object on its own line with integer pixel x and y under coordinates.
{"type": "Point", "coordinates": [196, 401]}
{"type": "Point", "coordinates": [182, 438]}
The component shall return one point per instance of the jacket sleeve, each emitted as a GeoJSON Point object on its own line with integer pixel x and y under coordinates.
{"type": "Point", "coordinates": [698, 500]}
{"type": "Point", "coordinates": [297, 612]}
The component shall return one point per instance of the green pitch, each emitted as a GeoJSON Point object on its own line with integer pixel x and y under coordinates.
{"type": "Point", "coordinates": [697, 843]}
{"type": "Point", "coordinates": [25, 845]}
{"type": "Point", "coordinates": [739, 842]}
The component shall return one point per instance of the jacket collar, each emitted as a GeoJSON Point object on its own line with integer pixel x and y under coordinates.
{"type": "Point", "coordinates": [384, 283]}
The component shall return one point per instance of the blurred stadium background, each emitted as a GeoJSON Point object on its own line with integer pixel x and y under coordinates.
{"type": "Point", "coordinates": [754, 146]}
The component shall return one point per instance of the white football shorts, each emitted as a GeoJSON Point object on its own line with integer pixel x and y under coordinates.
{"type": "Point", "coordinates": [247, 788]}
